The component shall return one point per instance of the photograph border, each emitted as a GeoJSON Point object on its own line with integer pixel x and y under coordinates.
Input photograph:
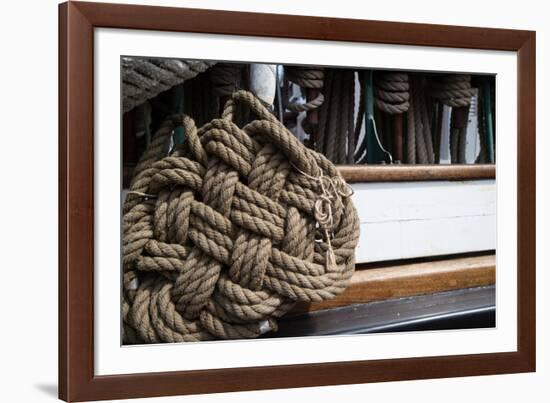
{"type": "Point", "coordinates": [77, 21]}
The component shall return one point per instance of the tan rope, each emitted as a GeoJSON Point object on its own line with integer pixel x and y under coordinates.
{"type": "Point", "coordinates": [411, 135]}
{"type": "Point", "coordinates": [226, 233]}
{"type": "Point", "coordinates": [306, 77]}
{"type": "Point", "coordinates": [336, 131]}
{"type": "Point", "coordinates": [226, 78]}
{"type": "Point", "coordinates": [392, 97]}
{"type": "Point", "coordinates": [421, 121]}
{"type": "Point", "coordinates": [482, 158]}
{"type": "Point", "coordinates": [455, 90]}
{"type": "Point", "coordinates": [144, 78]}
{"type": "Point", "coordinates": [391, 92]}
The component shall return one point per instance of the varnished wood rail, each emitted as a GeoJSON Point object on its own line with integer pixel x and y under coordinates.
{"type": "Point", "coordinates": [398, 173]}
{"type": "Point", "coordinates": [403, 173]}
{"type": "Point", "coordinates": [411, 279]}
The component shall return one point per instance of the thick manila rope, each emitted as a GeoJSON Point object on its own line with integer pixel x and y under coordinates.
{"type": "Point", "coordinates": [418, 123]}
{"type": "Point", "coordinates": [307, 78]}
{"type": "Point", "coordinates": [311, 80]}
{"type": "Point", "coordinates": [226, 78]}
{"type": "Point", "coordinates": [455, 90]}
{"type": "Point", "coordinates": [336, 133]}
{"type": "Point", "coordinates": [392, 96]}
{"type": "Point", "coordinates": [391, 92]}
{"type": "Point", "coordinates": [230, 230]}
{"type": "Point", "coordinates": [144, 78]}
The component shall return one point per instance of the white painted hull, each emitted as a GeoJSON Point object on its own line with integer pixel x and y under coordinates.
{"type": "Point", "coordinates": [401, 220]}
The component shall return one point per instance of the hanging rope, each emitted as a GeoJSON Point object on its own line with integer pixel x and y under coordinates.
{"type": "Point", "coordinates": [419, 124]}
{"type": "Point", "coordinates": [226, 233]}
{"type": "Point", "coordinates": [226, 78]}
{"type": "Point", "coordinates": [482, 157]}
{"type": "Point", "coordinates": [306, 78]}
{"type": "Point", "coordinates": [391, 96]}
{"type": "Point", "coordinates": [391, 92]}
{"type": "Point", "coordinates": [410, 141]}
{"type": "Point", "coordinates": [336, 131]}
{"type": "Point", "coordinates": [143, 78]}
{"type": "Point", "coordinates": [311, 83]}
{"type": "Point", "coordinates": [455, 90]}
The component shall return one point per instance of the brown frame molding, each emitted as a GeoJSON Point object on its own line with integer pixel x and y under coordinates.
{"type": "Point", "coordinates": [77, 21]}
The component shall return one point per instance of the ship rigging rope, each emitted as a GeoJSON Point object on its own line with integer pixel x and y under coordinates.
{"type": "Point", "coordinates": [422, 123]}
{"type": "Point", "coordinates": [230, 230]}
{"type": "Point", "coordinates": [143, 78]}
{"type": "Point", "coordinates": [226, 78]}
{"type": "Point", "coordinates": [455, 90]}
{"type": "Point", "coordinates": [307, 78]}
{"type": "Point", "coordinates": [391, 92]}
{"type": "Point", "coordinates": [336, 131]}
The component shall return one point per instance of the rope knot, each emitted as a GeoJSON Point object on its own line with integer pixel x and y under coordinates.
{"type": "Point", "coordinates": [323, 212]}
{"type": "Point", "coordinates": [333, 191]}
{"type": "Point", "coordinates": [231, 237]}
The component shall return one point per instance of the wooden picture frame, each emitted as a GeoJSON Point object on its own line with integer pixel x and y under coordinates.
{"type": "Point", "coordinates": [77, 381]}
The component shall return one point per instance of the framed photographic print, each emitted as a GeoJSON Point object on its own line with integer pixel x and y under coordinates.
{"type": "Point", "coordinates": [255, 201]}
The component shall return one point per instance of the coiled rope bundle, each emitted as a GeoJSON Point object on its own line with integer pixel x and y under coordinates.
{"type": "Point", "coordinates": [307, 78]}
{"type": "Point", "coordinates": [143, 79]}
{"type": "Point", "coordinates": [455, 90]}
{"type": "Point", "coordinates": [336, 131]}
{"type": "Point", "coordinates": [391, 92]}
{"type": "Point", "coordinates": [227, 232]}
{"type": "Point", "coordinates": [392, 97]}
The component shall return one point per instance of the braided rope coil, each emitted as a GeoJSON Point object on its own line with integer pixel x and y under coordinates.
{"type": "Point", "coordinates": [143, 79]}
{"type": "Point", "coordinates": [224, 235]}
{"type": "Point", "coordinates": [391, 92]}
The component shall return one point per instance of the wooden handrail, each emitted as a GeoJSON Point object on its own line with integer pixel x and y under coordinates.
{"type": "Point", "coordinates": [403, 173]}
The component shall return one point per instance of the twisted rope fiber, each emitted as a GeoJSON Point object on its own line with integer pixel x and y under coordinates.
{"type": "Point", "coordinates": [143, 79]}
{"type": "Point", "coordinates": [336, 131]}
{"type": "Point", "coordinates": [307, 77]}
{"type": "Point", "coordinates": [455, 90]}
{"type": "Point", "coordinates": [391, 92]}
{"type": "Point", "coordinates": [226, 78]}
{"type": "Point", "coordinates": [228, 232]}
{"type": "Point", "coordinates": [419, 125]}
{"type": "Point", "coordinates": [482, 158]}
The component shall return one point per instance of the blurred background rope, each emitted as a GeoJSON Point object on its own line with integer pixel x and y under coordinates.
{"type": "Point", "coordinates": [144, 78]}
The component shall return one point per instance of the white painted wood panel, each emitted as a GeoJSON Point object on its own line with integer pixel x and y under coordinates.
{"type": "Point", "coordinates": [402, 220]}
{"type": "Point", "coordinates": [412, 219]}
